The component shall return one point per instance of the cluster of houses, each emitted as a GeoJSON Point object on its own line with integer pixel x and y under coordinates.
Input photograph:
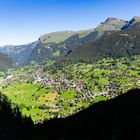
{"type": "Point", "coordinates": [61, 84]}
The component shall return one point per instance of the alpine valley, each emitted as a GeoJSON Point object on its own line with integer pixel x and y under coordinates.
{"type": "Point", "coordinates": [63, 75]}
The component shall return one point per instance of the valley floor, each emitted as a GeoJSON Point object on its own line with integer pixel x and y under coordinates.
{"type": "Point", "coordinates": [46, 91]}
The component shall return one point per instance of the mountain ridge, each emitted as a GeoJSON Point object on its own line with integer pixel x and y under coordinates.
{"type": "Point", "coordinates": [55, 45]}
{"type": "Point", "coordinates": [135, 20]}
{"type": "Point", "coordinates": [114, 44]}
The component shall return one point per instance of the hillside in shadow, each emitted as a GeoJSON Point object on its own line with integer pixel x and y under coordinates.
{"type": "Point", "coordinates": [116, 119]}
{"type": "Point", "coordinates": [12, 125]}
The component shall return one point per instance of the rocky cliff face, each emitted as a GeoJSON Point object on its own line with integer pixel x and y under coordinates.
{"type": "Point", "coordinates": [5, 62]}
{"type": "Point", "coordinates": [134, 23]}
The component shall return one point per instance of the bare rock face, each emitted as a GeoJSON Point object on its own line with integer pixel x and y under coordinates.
{"type": "Point", "coordinates": [112, 24]}
{"type": "Point", "coordinates": [5, 61]}
{"type": "Point", "coordinates": [134, 23]}
{"type": "Point", "coordinates": [111, 20]}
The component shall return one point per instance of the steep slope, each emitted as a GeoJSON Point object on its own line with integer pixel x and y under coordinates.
{"type": "Point", "coordinates": [58, 44]}
{"type": "Point", "coordinates": [12, 124]}
{"type": "Point", "coordinates": [46, 47]}
{"type": "Point", "coordinates": [109, 25]}
{"type": "Point", "coordinates": [134, 23]}
{"type": "Point", "coordinates": [53, 45]}
{"type": "Point", "coordinates": [56, 37]}
{"type": "Point", "coordinates": [116, 119]}
{"type": "Point", "coordinates": [117, 44]}
{"type": "Point", "coordinates": [19, 54]}
{"type": "Point", "coordinates": [5, 61]}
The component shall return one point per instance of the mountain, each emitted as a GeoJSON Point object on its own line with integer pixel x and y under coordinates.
{"type": "Point", "coordinates": [46, 47]}
{"type": "Point", "coordinates": [53, 45]}
{"type": "Point", "coordinates": [19, 54]}
{"type": "Point", "coordinates": [111, 24]}
{"type": "Point", "coordinates": [5, 61]}
{"type": "Point", "coordinates": [116, 44]}
{"type": "Point", "coordinates": [134, 23]}
{"type": "Point", "coordinates": [56, 37]}
{"type": "Point", "coordinates": [56, 44]}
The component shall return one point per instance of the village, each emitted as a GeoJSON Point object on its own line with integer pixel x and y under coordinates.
{"type": "Point", "coordinates": [63, 92]}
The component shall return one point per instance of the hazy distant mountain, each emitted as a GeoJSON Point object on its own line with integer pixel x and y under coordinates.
{"type": "Point", "coordinates": [19, 54]}
{"type": "Point", "coordinates": [46, 47]}
{"type": "Point", "coordinates": [5, 61]}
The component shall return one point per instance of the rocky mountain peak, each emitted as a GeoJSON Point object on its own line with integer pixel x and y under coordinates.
{"type": "Point", "coordinates": [111, 20]}
{"type": "Point", "coordinates": [111, 24]}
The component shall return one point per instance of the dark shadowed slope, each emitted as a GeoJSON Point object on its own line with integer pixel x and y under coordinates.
{"type": "Point", "coordinates": [12, 125]}
{"type": "Point", "coordinates": [116, 119]}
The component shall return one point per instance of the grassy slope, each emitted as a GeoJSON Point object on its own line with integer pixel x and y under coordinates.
{"type": "Point", "coordinates": [56, 37]}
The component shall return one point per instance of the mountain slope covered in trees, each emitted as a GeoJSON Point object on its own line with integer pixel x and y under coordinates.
{"type": "Point", "coordinates": [118, 44]}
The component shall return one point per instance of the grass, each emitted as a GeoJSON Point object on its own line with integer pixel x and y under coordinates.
{"type": "Point", "coordinates": [49, 97]}
{"type": "Point", "coordinates": [98, 99]}
{"type": "Point", "coordinates": [57, 53]}
{"type": "Point", "coordinates": [56, 37]}
{"type": "Point", "coordinates": [103, 81]}
{"type": "Point", "coordinates": [68, 95]}
{"type": "Point", "coordinates": [64, 111]}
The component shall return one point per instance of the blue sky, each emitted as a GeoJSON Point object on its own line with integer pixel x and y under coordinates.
{"type": "Point", "coordinates": [23, 21]}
